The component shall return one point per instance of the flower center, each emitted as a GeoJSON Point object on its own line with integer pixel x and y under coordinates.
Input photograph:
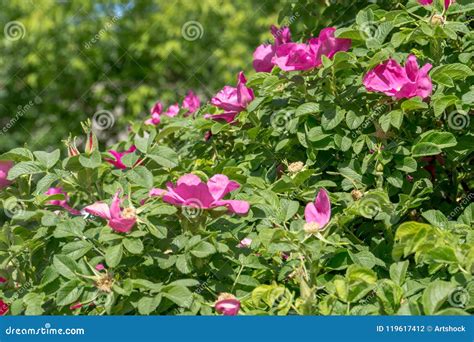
{"type": "Point", "coordinates": [129, 213]}
{"type": "Point", "coordinates": [105, 283]}
{"type": "Point", "coordinates": [311, 227]}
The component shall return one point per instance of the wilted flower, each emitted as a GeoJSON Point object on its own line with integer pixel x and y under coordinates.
{"type": "Point", "coordinates": [5, 166]}
{"type": "Point", "coordinates": [121, 221]}
{"type": "Point", "coordinates": [401, 82]}
{"type": "Point", "coordinates": [117, 162]}
{"type": "Point", "coordinates": [227, 304]}
{"type": "Point", "coordinates": [61, 203]}
{"type": "Point", "coordinates": [317, 214]}
{"type": "Point", "coordinates": [356, 194]}
{"type": "Point", "coordinates": [104, 282]}
{"type": "Point", "coordinates": [191, 102]}
{"type": "Point", "coordinates": [191, 191]}
{"type": "Point", "coordinates": [295, 167]}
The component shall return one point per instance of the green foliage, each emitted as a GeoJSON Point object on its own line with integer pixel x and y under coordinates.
{"type": "Point", "coordinates": [69, 60]}
{"type": "Point", "coordinates": [398, 172]}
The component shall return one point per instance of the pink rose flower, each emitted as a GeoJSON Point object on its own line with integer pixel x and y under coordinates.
{"type": "Point", "coordinates": [61, 203]}
{"type": "Point", "coordinates": [263, 55]}
{"type": "Point", "coordinates": [299, 56]}
{"type": "Point", "coordinates": [295, 56]}
{"type": "Point", "coordinates": [155, 113]}
{"type": "Point", "coordinates": [227, 305]}
{"type": "Point", "coordinates": [318, 214]}
{"type": "Point", "coordinates": [5, 166]}
{"type": "Point", "coordinates": [191, 102]}
{"type": "Point", "coordinates": [3, 308]}
{"type": "Point", "coordinates": [232, 99]}
{"type": "Point", "coordinates": [326, 44]}
{"type": "Point", "coordinates": [401, 82]}
{"type": "Point", "coordinates": [245, 243]}
{"type": "Point", "coordinates": [120, 220]}
{"type": "Point", "coordinates": [447, 3]}
{"type": "Point", "coordinates": [117, 161]}
{"type": "Point", "coordinates": [282, 35]}
{"type": "Point", "coordinates": [191, 191]}
{"type": "Point", "coordinates": [172, 110]}
{"type": "Point", "coordinates": [262, 58]}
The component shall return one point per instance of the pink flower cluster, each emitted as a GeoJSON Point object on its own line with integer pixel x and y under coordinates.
{"type": "Point", "coordinates": [289, 56]}
{"type": "Point", "coordinates": [232, 100]}
{"type": "Point", "coordinates": [191, 104]}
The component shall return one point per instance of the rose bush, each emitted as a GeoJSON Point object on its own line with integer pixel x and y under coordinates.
{"type": "Point", "coordinates": [347, 186]}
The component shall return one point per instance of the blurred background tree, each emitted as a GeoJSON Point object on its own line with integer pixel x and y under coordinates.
{"type": "Point", "coordinates": [62, 61]}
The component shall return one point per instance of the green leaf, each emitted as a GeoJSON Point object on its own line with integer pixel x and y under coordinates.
{"type": "Point", "coordinates": [183, 265]}
{"type": "Point", "coordinates": [203, 249]}
{"type": "Point", "coordinates": [440, 139]}
{"type": "Point", "coordinates": [435, 294]}
{"type": "Point", "coordinates": [455, 71]}
{"type": "Point", "coordinates": [178, 294]}
{"type": "Point", "coordinates": [398, 271]}
{"type": "Point", "coordinates": [77, 249]}
{"type": "Point", "coordinates": [48, 160]}
{"type": "Point", "coordinates": [425, 149]}
{"type": "Point", "coordinates": [307, 108]}
{"type": "Point", "coordinates": [65, 266]}
{"type": "Point", "coordinates": [134, 246]}
{"type": "Point", "coordinates": [164, 156]}
{"type": "Point", "coordinates": [69, 292]}
{"type": "Point", "coordinates": [413, 104]}
{"type": "Point", "coordinates": [141, 176]}
{"type": "Point", "coordinates": [113, 255]}
{"type": "Point", "coordinates": [146, 305]}
{"type": "Point", "coordinates": [91, 162]}
{"type": "Point", "coordinates": [24, 168]}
